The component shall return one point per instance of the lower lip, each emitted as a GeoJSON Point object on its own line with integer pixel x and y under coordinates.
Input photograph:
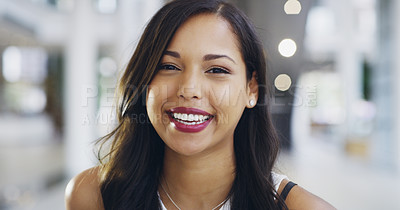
{"type": "Point", "coordinates": [189, 128]}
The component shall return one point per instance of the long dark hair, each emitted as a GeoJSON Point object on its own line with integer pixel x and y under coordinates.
{"type": "Point", "coordinates": [131, 169]}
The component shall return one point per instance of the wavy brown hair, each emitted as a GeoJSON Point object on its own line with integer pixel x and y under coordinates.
{"type": "Point", "coordinates": [132, 167]}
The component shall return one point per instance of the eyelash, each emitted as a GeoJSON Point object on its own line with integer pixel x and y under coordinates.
{"type": "Point", "coordinates": [169, 67]}
{"type": "Point", "coordinates": [219, 69]}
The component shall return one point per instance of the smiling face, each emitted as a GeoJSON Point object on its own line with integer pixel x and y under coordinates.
{"type": "Point", "coordinates": [200, 91]}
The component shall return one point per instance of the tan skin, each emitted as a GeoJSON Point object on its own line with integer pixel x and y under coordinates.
{"type": "Point", "coordinates": [83, 193]}
{"type": "Point", "coordinates": [198, 167]}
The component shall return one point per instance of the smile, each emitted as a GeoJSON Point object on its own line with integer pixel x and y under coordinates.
{"type": "Point", "coordinates": [190, 120]}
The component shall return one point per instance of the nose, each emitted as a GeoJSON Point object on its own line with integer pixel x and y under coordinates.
{"type": "Point", "coordinates": [189, 86]}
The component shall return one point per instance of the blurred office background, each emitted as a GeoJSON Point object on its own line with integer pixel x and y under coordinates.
{"type": "Point", "coordinates": [334, 65]}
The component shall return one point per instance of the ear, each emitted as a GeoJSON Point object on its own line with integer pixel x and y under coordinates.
{"type": "Point", "coordinates": [252, 91]}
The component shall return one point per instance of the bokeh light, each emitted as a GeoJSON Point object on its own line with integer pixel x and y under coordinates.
{"type": "Point", "coordinates": [287, 48]}
{"type": "Point", "coordinates": [12, 64]}
{"type": "Point", "coordinates": [283, 82]}
{"type": "Point", "coordinates": [292, 7]}
{"type": "Point", "coordinates": [107, 67]}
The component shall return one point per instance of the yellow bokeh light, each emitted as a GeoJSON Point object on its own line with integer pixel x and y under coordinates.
{"type": "Point", "coordinates": [283, 82]}
{"type": "Point", "coordinates": [292, 7]}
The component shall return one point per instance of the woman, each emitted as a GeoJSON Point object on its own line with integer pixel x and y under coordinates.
{"type": "Point", "coordinates": [194, 130]}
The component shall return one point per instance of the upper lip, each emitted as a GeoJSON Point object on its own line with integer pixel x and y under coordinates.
{"type": "Point", "coordinates": [188, 110]}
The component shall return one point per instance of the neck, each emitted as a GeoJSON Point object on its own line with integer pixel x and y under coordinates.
{"type": "Point", "coordinates": [203, 181]}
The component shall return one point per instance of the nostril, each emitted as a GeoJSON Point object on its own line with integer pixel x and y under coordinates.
{"type": "Point", "coordinates": [189, 92]}
{"type": "Point", "coordinates": [187, 97]}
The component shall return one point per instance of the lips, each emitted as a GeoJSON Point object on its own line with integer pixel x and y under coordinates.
{"type": "Point", "coordinates": [186, 119]}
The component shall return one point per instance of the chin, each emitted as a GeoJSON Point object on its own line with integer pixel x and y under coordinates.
{"type": "Point", "coordinates": [189, 148]}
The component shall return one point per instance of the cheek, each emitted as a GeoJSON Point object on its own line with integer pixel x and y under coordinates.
{"type": "Point", "coordinates": [151, 103]}
{"type": "Point", "coordinates": [158, 91]}
{"type": "Point", "coordinates": [229, 101]}
{"type": "Point", "coordinates": [154, 104]}
{"type": "Point", "coordinates": [159, 94]}
{"type": "Point", "coordinates": [154, 97]}
{"type": "Point", "coordinates": [228, 95]}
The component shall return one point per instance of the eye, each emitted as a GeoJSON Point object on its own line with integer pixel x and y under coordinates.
{"type": "Point", "coordinates": [218, 70]}
{"type": "Point", "coordinates": [168, 67]}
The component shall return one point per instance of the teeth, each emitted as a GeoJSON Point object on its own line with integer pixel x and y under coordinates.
{"type": "Point", "coordinates": [189, 123]}
{"type": "Point", "coordinates": [190, 119]}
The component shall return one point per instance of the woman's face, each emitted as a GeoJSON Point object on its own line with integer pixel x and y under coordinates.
{"type": "Point", "coordinates": [200, 91]}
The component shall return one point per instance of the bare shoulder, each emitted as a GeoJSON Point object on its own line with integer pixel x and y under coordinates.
{"type": "Point", "coordinates": [299, 198]}
{"type": "Point", "coordinates": [83, 191]}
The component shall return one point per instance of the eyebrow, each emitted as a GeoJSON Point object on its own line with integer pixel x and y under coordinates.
{"type": "Point", "coordinates": [172, 53]}
{"type": "Point", "coordinates": [207, 57]}
{"type": "Point", "coordinates": [214, 56]}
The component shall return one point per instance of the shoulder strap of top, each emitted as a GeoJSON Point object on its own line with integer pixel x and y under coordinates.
{"type": "Point", "coordinates": [287, 189]}
{"type": "Point", "coordinates": [277, 179]}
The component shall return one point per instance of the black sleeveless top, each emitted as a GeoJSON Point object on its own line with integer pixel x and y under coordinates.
{"type": "Point", "coordinates": [286, 190]}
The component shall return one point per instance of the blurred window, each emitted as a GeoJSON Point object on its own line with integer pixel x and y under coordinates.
{"type": "Point", "coordinates": [24, 70]}
{"type": "Point", "coordinates": [24, 64]}
{"type": "Point", "coordinates": [64, 5]}
{"type": "Point", "coordinates": [106, 6]}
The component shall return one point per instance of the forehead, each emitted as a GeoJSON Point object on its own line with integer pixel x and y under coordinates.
{"type": "Point", "coordinates": [208, 32]}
